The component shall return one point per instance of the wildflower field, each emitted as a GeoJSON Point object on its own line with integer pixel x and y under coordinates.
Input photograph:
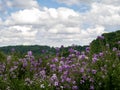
{"type": "Point", "coordinates": [75, 71]}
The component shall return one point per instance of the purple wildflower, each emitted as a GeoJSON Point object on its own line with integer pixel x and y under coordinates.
{"type": "Point", "coordinates": [94, 71]}
{"type": "Point", "coordinates": [91, 87]}
{"type": "Point", "coordinates": [82, 57]}
{"type": "Point", "coordinates": [65, 72]}
{"type": "Point", "coordinates": [53, 78]}
{"type": "Point", "coordinates": [82, 81]}
{"type": "Point", "coordinates": [84, 63]}
{"type": "Point", "coordinates": [91, 80]}
{"type": "Point", "coordinates": [30, 53]}
{"type": "Point", "coordinates": [43, 73]}
{"type": "Point", "coordinates": [25, 63]}
{"type": "Point", "coordinates": [74, 88]}
{"type": "Point", "coordinates": [114, 49]}
{"type": "Point", "coordinates": [101, 54]}
{"type": "Point", "coordinates": [60, 68]}
{"type": "Point", "coordinates": [62, 47]}
{"type": "Point", "coordinates": [84, 77]}
{"type": "Point", "coordinates": [43, 51]}
{"type": "Point", "coordinates": [55, 83]}
{"type": "Point", "coordinates": [71, 50]}
{"type": "Point", "coordinates": [94, 60]}
{"type": "Point", "coordinates": [53, 67]}
{"type": "Point", "coordinates": [87, 49]}
{"type": "Point", "coordinates": [68, 80]}
{"type": "Point", "coordinates": [13, 68]}
{"type": "Point", "coordinates": [61, 62]}
{"type": "Point", "coordinates": [100, 37]}
{"type": "Point", "coordinates": [74, 82]}
{"type": "Point", "coordinates": [118, 42]}
{"type": "Point", "coordinates": [82, 70]}
{"type": "Point", "coordinates": [55, 60]}
{"type": "Point", "coordinates": [118, 53]}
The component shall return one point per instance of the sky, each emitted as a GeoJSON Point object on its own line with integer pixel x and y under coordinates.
{"type": "Point", "coordinates": [56, 22]}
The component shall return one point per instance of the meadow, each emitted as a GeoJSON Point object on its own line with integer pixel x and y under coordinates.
{"type": "Point", "coordinates": [74, 71]}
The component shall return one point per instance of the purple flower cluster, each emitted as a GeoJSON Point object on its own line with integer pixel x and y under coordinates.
{"type": "Point", "coordinates": [100, 37]}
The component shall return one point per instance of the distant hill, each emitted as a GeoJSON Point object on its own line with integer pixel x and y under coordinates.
{"type": "Point", "coordinates": [22, 50]}
{"type": "Point", "coordinates": [36, 49]}
{"type": "Point", "coordinates": [111, 38]}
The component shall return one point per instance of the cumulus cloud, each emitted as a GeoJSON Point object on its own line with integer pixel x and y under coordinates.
{"type": "Point", "coordinates": [54, 27]}
{"type": "Point", "coordinates": [37, 16]}
{"type": "Point", "coordinates": [42, 27]}
{"type": "Point", "coordinates": [45, 23]}
{"type": "Point", "coordinates": [17, 35]}
{"type": "Point", "coordinates": [111, 2]}
{"type": "Point", "coordinates": [13, 4]}
{"type": "Point", "coordinates": [26, 16]}
{"type": "Point", "coordinates": [22, 4]}
{"type": "Point", "coordinates": [103, 14]}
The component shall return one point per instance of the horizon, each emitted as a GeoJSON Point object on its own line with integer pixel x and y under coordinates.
{"type": "Point", "coordinates": [56, 22]}
{"type": "Point", "coordinates": [42, 45]}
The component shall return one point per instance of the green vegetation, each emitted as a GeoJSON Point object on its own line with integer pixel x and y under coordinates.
{"type": "Point", "coordinates": [38, 51]}
{"type": "Point", "coordinates": [111, 40]}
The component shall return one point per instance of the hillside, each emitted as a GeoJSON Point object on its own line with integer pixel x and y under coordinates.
{"type": "Point", "coordinates": [37, 50]}
{"type": "Point", "coordinates": [110, 39]}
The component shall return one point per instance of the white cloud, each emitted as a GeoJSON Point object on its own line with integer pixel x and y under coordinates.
{"type": "Point", "coordinates": [103, 14]}
{"type": "Point", "coordinates": [15, 35]}
{"type": "Point", "coordinates": [25, 31]}
{"type": "Point", "coordinates": [111, 2]}
{"type": "Point", "coordinates": [50, 26]}
{"type": "Point", "coordinates": [37, 16]}
{"type": "Point", "coordinates": [42, 25]}
{"type": "Point", "coordinates": [27, 16]}
{"type": "Point", "coordinates": [21, 4]}
{"type": "Point", "coordinates": [6, 5]}
{"type": "Point", "coordinates": [62, 29]}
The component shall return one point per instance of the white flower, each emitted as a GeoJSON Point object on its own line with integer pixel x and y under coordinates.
{"type": "Point", "coordinates": [42, 86]}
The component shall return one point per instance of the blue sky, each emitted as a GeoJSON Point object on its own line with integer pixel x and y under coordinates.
{"type": "Point", "coordinates": [56, 22]}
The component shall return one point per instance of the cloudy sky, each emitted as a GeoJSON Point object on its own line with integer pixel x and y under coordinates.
{"type": "Point", "coordinates": [56, 22]}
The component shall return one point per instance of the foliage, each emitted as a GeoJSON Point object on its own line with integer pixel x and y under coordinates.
{"type": "Point", "coordinates": [2, 56]}
{"type": "Point", "coordinates": [110, 38]}
{"type": "Point", "coordinates": [38, 51]}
